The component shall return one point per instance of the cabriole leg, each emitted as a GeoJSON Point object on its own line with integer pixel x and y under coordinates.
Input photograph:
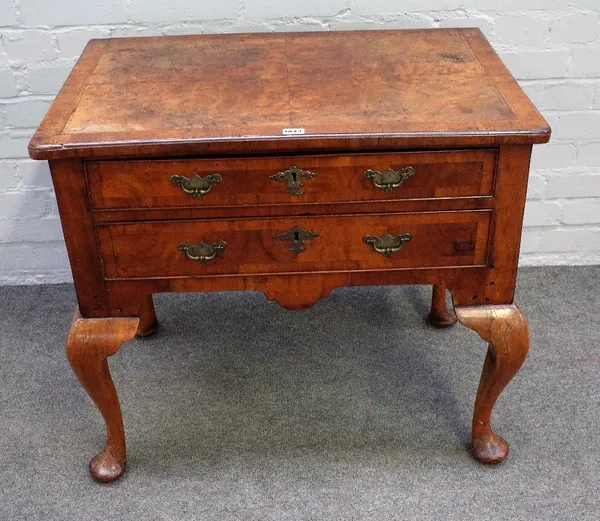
{"type": "Point", "coordinates": [440, 315]}
{"type": "Point", "coordinates": [506, 331]}
{"type": "Point", "coordinates": [148, 321]}
{"type": "Point", "coordinates": [89, 343]}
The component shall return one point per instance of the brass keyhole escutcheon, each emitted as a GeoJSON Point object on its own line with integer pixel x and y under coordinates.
{"type": "Point", "coordinates": [296, 237]}
{"type": "Point", "coordinates": [293, 178]}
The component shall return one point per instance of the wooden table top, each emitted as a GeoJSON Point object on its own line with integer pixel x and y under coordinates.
{"type": "Point", "coordinates": [361, 90]}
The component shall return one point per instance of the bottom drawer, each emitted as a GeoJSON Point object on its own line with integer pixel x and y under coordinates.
{"type": "Point", "coordinates": [294, 244]}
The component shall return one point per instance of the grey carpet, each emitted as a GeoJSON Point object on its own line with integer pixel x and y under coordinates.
{"type": "Point", "coordinates": [355, 409]}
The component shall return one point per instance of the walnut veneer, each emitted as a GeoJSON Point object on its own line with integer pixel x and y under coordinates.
{"type": "Point", "coordinates": [175, 169]}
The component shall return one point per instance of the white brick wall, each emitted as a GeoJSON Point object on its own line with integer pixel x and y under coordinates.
{"type": "Point", "coordinates": [552, 47]}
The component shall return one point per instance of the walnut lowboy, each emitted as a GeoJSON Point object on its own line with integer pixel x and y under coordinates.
{"type": "Point", "coordinates": [172, 174]}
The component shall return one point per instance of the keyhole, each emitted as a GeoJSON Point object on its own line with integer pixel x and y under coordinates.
{"type": "Point", "coordinates": [296, 236]}
{"type": "Point", "coordinates": [294, 177]}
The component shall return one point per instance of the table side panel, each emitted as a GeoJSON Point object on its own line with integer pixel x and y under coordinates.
{"type": "Point", "coordinates": [505, 233]}
{"type": "Point", "coordinates": [80, 237]}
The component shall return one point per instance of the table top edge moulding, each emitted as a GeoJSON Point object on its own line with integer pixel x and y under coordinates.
{"type": "Point", "coordinates": [175, 171]}
{"type": "Point", "coordinates": [67, 132]}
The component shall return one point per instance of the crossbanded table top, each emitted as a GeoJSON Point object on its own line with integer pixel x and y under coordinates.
{"type": "Point", "coordinates": [226, 93]}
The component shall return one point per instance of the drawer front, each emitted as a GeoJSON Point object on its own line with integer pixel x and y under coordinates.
{"type": "Point", "coordinates": [275, 181]}
{"type": "Point", "coordinates": [294, 244]}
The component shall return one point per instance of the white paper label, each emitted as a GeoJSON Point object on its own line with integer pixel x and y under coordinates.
{"type": "Point", "coordinates": [292, 131]}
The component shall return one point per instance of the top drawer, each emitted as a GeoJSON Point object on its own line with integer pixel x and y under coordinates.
{"type": "Point", "coordinates": [290, 180]}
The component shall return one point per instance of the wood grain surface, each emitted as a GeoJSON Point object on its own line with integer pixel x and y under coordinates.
{"type": "Point", "coordinates": [248, 181]}
{"type": "Point", "coordinates": [150, 249]}
{"type": "Point", "coordinates": [216, 93]}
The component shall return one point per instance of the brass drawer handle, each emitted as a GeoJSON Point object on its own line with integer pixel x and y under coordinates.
{"type": "Point", "coordinates": [293, 177]}
{"type": "Point", "coordinates": [387, 244]}
{"type": "Point", "coordinates": [196, 186]}
{"type": "Point", "coordinates": [296, 236]}
{"type": "Point", "coordinates": [389, 179]}
{"type": "Point", "coordinates": [203, 252]}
